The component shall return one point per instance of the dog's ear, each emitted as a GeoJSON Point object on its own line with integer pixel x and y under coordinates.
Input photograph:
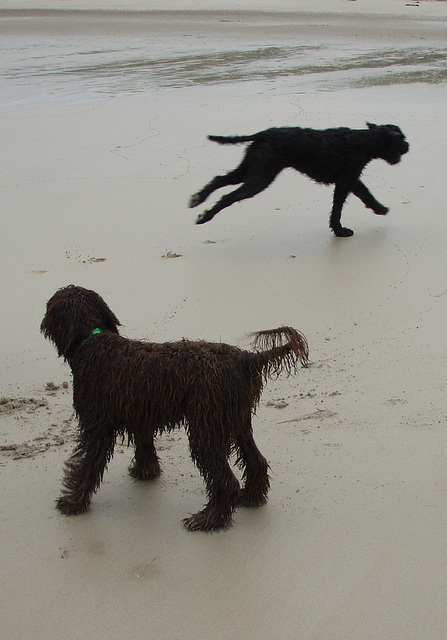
{"type": "Point", "coordinates": [370, 125]}
{"type": "Point", "coordinates": [395, 130]}
{"type": "Point", "coordinates": [107, 316]}
{"type": "Point", "coordinates": [93, 310]}
{"type": "Point", "coordinates": [58, 325]}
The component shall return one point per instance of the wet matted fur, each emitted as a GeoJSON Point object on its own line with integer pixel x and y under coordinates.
{"type": "Point", "coordinates": [137, 390]}
{"type": "Point", "coordinates": [329, 156]}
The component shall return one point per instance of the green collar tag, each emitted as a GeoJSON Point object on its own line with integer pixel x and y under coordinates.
{"type": "Point", "coordinates": [95, 332]}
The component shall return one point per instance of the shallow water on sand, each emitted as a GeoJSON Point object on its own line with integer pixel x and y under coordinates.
{"type": "Point", "coordinates": [76, 68]}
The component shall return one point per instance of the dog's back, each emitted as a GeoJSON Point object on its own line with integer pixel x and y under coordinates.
{"type": "Point", "coordinates": [191, 371]}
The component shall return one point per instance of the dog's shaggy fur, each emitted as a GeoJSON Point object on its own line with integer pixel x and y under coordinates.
{"type": "Point", "coordinates": [126, 388]}
{"type": "Point", "coordinates": [331, 156]}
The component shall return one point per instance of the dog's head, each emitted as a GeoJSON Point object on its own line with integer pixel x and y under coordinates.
{"type": "Point", "coordinates": [72, 314]}
{"type": "Point", "coordinates": [389, 142]}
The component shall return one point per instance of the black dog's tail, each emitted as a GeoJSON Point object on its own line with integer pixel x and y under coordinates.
{"type": "Point", "coordinates": [232, 139]}
{"type": "Point", "coordinates": [280, 350]}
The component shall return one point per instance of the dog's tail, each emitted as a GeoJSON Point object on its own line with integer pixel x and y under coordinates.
{"type": "Point", "coordinates": [232, 139]}
{"type": "Point", "coordinates": [279, 350]}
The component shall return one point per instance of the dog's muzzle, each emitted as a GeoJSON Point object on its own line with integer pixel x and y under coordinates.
{"type": "Point", "coordinates": [395, 158]}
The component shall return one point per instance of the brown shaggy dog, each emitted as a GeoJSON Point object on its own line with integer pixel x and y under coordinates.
{"type": "Point", "coordinates": [126, 388]}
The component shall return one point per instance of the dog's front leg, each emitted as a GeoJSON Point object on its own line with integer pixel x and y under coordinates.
{"type": "Point", "coordinates": [341, 192]}
{"type": "Point", "coordinates": [83, 474]}
{"type": "Point", "coordinates": [362, 192]}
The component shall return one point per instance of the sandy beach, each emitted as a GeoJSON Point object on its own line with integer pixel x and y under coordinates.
{"type": "Point", "coordinates": [105, 114]}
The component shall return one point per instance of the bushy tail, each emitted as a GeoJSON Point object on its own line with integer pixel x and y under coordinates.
{"type": "Point", "coordinates": [280, 350]}
{"type": "Point", "coordinates": [232, 139]}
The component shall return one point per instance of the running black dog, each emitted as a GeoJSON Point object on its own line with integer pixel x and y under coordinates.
{"type": "Point", "coordinates": [330, 156]}
{"type": "Point", "coordinates": [137, 390]}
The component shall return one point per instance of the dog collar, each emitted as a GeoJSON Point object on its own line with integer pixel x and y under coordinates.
{"type": "Point", "coordinates": [95, 332]}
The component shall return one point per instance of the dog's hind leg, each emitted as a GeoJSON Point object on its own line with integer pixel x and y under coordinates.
{"type": "Point", "coordinates": [145, 464]}
{"type": "Point", "coordinates": [84, 471]}
{"type": "Point", "coordinates": [363, 193]}
{"type": "Point", "coordinates": [233, 177]}
{"type": "Point", "coordinates": [223, 491]}
{"type": "Point", "coordinates": [252, 186]}
{"type": "Point", "coordinates": [221, 484]}
{"type": "Point", "coordinates": [256, 480]}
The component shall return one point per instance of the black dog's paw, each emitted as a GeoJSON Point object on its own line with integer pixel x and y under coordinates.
{"type": "Point", "coordinates": [343, 232]}
{"type": "Point", "coordinates": [381, 211]}
{"type": "Point", "coordinates": [195, 200]}
{"type": "Point", "coordinates": [70, 508]}
{"type": "Point", "coordinates": [203, 217]}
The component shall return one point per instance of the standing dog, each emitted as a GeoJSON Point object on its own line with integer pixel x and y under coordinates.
{"type": "Point", "coordinates": [331, 156]}
{"type": "Point", "coordinates": [125, 388]}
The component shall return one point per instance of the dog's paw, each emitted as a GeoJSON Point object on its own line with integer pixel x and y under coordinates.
{"type": "Point", "coordinates": [70, 508]}
{"type": "Point", "coordinates": [251, 499]}
{"type": "Point", "coordinates": [195, 200]}
{"type": "Point", "coordinates": [144, 474]}
{"type": "Point", "coordinates": [343, 232]}
{"type": "Point", "coordinates": [207, 521]}
{"type": "Point", "coordinates": [381, 211]}
{"type": "Point", "coordinates": [203, 217]}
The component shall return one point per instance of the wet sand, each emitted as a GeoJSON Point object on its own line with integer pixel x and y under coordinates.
{"type": "Point", "coordinates": [104, 124]}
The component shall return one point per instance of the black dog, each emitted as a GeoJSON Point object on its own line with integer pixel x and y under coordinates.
{"type": "Point", "coordinates": [125, 388]}
{"type": "Point", "coordinates": [331, 156]}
